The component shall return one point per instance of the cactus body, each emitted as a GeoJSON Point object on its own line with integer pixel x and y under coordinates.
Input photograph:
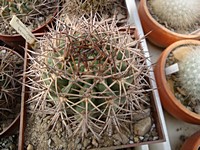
{"type": "Point", "coordinates": [11, 65]}
{"type": "Point", "coordinates": [102, 69]}
{"type": "Point", "coordinates": [177, 14]}
{"type": "Point", "coordinates": [189, 72]}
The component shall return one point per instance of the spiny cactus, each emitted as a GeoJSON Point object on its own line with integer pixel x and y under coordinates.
{"type": "Point", "coordinates": [92, 76]}
{"type": "Point", "coordinates": [189, 72]}
{"type": "Point", "coordinates": [105, 8]}
{"type": "Point", "coordinates": [89, 5]}
{"type": "Point", "coordinates": [33, 13]}
{"type": "Point", "coordinates": [86, 5]}
{"type": "Point", "coordinates": [10, 88]}
{"type": "Point", "coordinates": [177, 14]}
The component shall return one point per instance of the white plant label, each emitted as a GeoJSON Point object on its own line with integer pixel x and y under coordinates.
{"type": "Point", "coordinates": [22, 30]}
{"type": "Point", "coordinates": [172, 69]}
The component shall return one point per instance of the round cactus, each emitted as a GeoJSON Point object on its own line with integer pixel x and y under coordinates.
{"type": "Point", "coordinates": [87, 5]}
{"type": "Point", "coordinates": [11, 68]}
{"type": "Point", "coordinates": [93, 76]}
{"type": "Point", "coordinates": [177, 14]}
{"type": "Point", "coordinates": [189, 72]}
{"type": "Point", "coordinates": [104, 8]}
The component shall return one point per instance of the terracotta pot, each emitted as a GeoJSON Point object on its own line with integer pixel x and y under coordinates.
{"type": "Point", "coordinates": [158, 34]}
{"type": "Point", "coordinates": [15, 123]}
{"type": "Point", "coordinates": [192, 143]}
{"type": "Point", "coordinates": [17, 42]}
{"type": "Point", "coordinates": [169, 101]}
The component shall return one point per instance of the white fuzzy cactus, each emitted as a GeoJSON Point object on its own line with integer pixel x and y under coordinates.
{"type": "Point", "coordinates": [179, 14]}
{"type": "Point", "coordinates": [190, 72]}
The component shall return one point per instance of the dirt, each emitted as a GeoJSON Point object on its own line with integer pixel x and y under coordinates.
{"type": "Point", "coordinates": [39, 135]}
{"type": "Point", "coordinates": [191, 31]}
{"type": "Point", "coordinates": [10, 142]}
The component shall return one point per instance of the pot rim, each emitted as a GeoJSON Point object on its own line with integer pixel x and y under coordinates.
{"type": "Point", "coordinates": [193, 141]}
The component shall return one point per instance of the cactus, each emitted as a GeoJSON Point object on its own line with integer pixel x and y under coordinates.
{"type": "Point", "coordinates": [189, 72]}
{"type": "Point", "coordinates": [91, 76]}
{"type": "Point", "coordinates": [33, 13]}
{"type": "Point", "coordinates": [87, 5]}
{"type": "Point", "coordinates": [10, 88]}
{"type": "Point", "coordinates": [105, 8]}
{"type": "Point", "coordinates": [178, 14]}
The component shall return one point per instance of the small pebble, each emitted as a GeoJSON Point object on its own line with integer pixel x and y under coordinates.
{"type": "Point", "coordinates": [143, 126]}
{"type": "Point", "coordinates": [141, 138]}
{"type": "Point", "coordinates": [30, 147]}
{"type": "Point", "coordinates": [197, 109]}
{"type": "Point", "coordinates": [79, 146]}
{"type": "Point", "coordinates": [12, 147]}
{"type": "Point", "coordinates": [49, 142]}
{"type": "Point", "coordinates": [131, 142]}
{"type": "Point", "coordinates": [94, 142]}
{"type": "Point", "coordinates": [136, 140]}
{"type": "Point", "coordinates": [40, 19]}
{"type": "Point", "coordinates": [117, 143]}
{"type": "Point", "coordinates": [78, 140]}
{"type": "Point", "coordinates": [189, 108]}
{"type": "Point", "coordinates": [155, 138]}
{"type": "Point", "coordinates": [86, 142]}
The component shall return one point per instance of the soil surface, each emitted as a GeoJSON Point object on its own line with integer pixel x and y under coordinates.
{"type": "Point", "coordinates": [10, 142]}
{"type": "Point", "coordinates": [39, 136]}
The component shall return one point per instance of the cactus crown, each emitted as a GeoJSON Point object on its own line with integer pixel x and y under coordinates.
{"type": "Point", "coordinates": [92, 75]}
{"type": "Point", "coordinates": [189, 72]}
{"type": "Point", "coordinates": [33, 13]}
{"type": "Point", "coordinates": [178, 14]}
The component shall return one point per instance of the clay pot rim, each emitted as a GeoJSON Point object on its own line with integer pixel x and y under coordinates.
{"type": "Point", "coordinates": [174, 100]}
{"type": "Point", "coordinates": [39, 27]}
{"type": "Point", "coordinates": [158, 25]}
{"type": "Point", "coordinates": [193, 141]}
